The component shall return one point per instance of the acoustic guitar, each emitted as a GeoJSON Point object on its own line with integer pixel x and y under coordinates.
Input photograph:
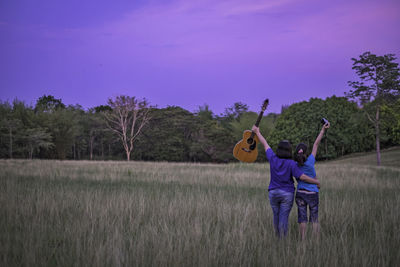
{"type": "Point", "coordinates": [246, 149]}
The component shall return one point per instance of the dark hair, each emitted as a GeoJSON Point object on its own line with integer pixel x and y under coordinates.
{"type": "Point", "coordinates": [300, 157]}
{"type": "Point", "coordinates": [284, 150]}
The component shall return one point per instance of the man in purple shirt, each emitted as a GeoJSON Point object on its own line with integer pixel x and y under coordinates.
{"type": "Point", "coordinates": [281, 187]}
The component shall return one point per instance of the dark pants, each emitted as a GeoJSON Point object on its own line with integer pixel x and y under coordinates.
{"type": "Point", "coordinates": [304, 200]}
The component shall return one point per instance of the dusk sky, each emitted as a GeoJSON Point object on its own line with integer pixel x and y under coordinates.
{"type": "Point", "coordinates": [189, 53]}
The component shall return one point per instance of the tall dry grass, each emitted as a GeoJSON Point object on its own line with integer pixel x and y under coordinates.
{"type": "Point", "coordinates": [69, 213]}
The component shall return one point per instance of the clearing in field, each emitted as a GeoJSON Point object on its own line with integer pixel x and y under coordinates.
{"type": "Point", "coordinates": [81, 213]}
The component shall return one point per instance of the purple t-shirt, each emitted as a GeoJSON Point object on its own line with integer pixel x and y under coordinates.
{"type": "Point", "coordinates": [282, 172]}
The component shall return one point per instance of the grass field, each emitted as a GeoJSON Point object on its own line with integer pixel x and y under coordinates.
{"type": "Point", "coordinates": [81, 213]}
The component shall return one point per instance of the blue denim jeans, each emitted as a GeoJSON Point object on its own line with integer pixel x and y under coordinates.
{"type": "Point", "coordinates": [281, 202]}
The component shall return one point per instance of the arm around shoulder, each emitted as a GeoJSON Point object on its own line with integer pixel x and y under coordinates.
{"type": "Point", "coordinates": [309, 180]}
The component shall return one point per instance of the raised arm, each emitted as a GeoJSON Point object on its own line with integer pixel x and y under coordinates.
{"type": "Point", "coordinates": [256, 130]}
{"type": "Point", "coordinates": [319, 138]}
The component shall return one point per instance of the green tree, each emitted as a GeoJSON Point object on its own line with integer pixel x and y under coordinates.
{"type": "Point", "coordinates": [61, 122]}
{"type": "Point", "coordinates": [36, 138]}
{"type": "Point", "coordinates": [378, 83]}
{"type": "Point", "coordinates": [10, 126]}
{"type": "Point", "coordinates": [79, 143]}
{"type": "Point", "coordinates": [63, 128]}
{"type": "Point", "coordinates": [95, 128]}
{"type": "Point", "coordinates": [301, 122]}
{"type": "Point", "coordinates": [211, 140]}
{"type": "Point", "coordinates": [48, 103]}
{"type": "Point", "coordinates": [167, 136]}
{"type": "Point", "coordinates": [392, 114]}
{"type": "Point", "coordinates": [17, 119]}
{"type": "Point", "coordinates": [235, 111]}
{"type": "Point", "coordinates": [106, 138]}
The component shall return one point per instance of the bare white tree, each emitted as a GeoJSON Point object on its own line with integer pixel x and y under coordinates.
{"type": "Point", "coordinates": [126, 119]}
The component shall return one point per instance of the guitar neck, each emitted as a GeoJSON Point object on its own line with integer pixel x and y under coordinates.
{"type": "Point", "coordinates": [257, 122]}
{"type": "Point", "coordinates": [259, 118]}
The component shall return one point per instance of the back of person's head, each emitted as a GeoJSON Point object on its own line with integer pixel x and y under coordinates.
{"type": "Point", "coordinates": [300, 154]}
{"type": "Point", "coordinates": [284, 150]}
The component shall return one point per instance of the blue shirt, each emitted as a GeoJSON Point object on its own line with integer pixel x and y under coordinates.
{"type": "Point", "coordinates": [282, 172]}
{"type": "Point", "coordinates": [309, 169]}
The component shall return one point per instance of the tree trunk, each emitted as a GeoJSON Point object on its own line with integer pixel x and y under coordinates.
{"type": "Point", "coordinates": [91, 147]}
{"type": "Point", "coordinates": [102, 150]}
{"type": "Point", "coordinates": [31, 152]}
{"type": "Point", "coordinates": [377, 137]}
{"type": "Point", "coordinates": [326, 145]}
{"type": "Point", "coordinates": [128, 155]}
{"type": "Point", "coordinates": [11, 148]}
{"type": "Point", "coordinates": [73, 148]}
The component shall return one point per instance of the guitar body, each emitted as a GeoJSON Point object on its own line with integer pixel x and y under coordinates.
{"type": "Point", "coordinates": [246, 149]}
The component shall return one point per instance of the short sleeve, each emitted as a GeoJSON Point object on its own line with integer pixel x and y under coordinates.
{"type": "Point", "coordinates": [296, 172]}
{"type": "Point", "coordinates": [269, 153]}
{"type": "Point", "coordinates": [311, 159]}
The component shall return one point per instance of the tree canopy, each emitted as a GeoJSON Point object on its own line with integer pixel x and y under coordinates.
{"type": "Point", "coordinates": [175, 134]}
{"type": "Point", "coordinates": [378, 84]}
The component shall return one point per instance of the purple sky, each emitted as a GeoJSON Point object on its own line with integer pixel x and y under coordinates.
{"type": "Point", "coordinates": [189, 52]}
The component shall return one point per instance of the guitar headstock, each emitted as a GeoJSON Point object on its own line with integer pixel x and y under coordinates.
{"type": "Point", "coordinates": [265, 104]}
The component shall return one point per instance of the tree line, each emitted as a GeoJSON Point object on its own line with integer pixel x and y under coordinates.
{"type": "Point", "coordinates": [367, 118]}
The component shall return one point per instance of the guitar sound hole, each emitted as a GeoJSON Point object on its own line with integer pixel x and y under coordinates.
{"type": "Point", "coordinates": [253, 146]}
{"type": "Point", "coordinates": [250, 141]}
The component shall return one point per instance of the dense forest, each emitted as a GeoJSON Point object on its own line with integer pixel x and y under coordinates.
{"type": "Point", "coordinates": [368, 118]}
{"type": "Point", "coordinates": [51, 130]}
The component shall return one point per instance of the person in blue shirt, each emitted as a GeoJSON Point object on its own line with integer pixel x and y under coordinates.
{"type": "Point", "coordinates": [307, 196]}
{"type": "Point", "coordinates": [281, 187]}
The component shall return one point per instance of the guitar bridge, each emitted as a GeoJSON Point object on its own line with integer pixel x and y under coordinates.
{"type": "Point", "coordinates": [246, 150]}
